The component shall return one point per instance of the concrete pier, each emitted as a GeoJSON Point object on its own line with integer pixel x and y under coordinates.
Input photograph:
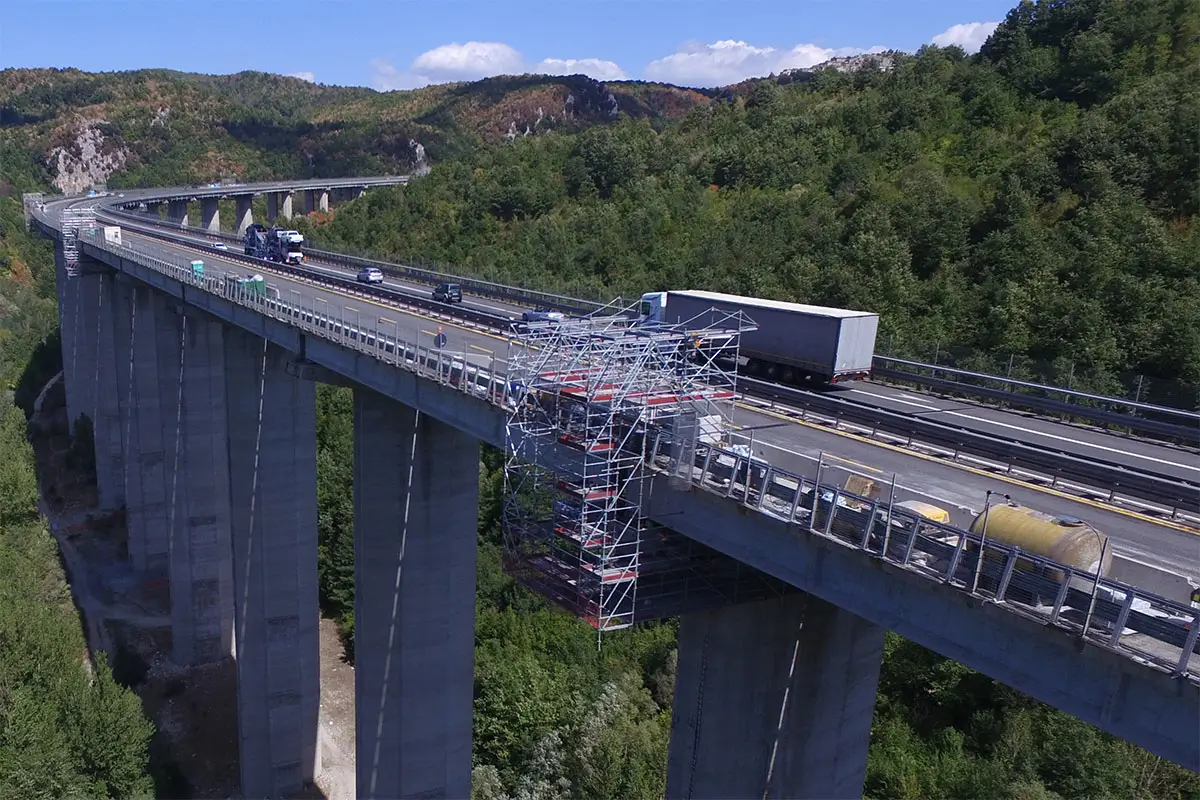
{"type": "Point", "coordinates": [773, 700]}
{"type": "Point", "coordinates": [273, 491]}
{"type": "Point", "coordinates": [142, 402]}
{"type": "Point", "coordinates": [279, 205]}
{"type": "Point", "coordinates": [416, 492]}
{"type": "Point", "coordinates": [84, 320]}
{"type": "Point", "coordinates": [192, 386]}
{"type": "Point", "coordinates": [243, 212]}
{"type": "Point", "coordinates": [177, 212]}
{"type": "Point", "coordinates": [210, 214]}
{"type": "Point", "coordinates": [98, 287]}
{"type": "Point", "coordinates": [68, 326]}
{"type": "Point", "coordinates": [316, 200]}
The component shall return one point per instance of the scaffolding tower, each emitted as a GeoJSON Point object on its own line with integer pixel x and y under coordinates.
{"type": "Point", "coordinates": [76, 221]}
{"type": "Point", "coordinates": [598, 405]}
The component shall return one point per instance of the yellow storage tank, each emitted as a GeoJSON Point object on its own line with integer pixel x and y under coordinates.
{"type": "Point", "coordinates": [1066, 540]}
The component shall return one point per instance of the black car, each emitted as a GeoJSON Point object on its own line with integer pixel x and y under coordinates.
{"type": "Point", "coordinates": [448, 293]}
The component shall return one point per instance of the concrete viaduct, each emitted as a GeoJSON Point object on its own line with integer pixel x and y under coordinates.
{"type": "Point", "coordinates": [204, 422]}
{"type": "Point", "coordinates": [280, 201]}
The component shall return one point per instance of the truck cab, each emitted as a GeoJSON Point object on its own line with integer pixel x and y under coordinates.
{"type": "Point", "coordinates": [654, 307]}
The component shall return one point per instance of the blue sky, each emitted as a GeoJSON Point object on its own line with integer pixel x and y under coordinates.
{"type": "Point", "coordinates": [394, 44]}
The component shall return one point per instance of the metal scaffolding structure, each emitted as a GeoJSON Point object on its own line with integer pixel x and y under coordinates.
{"type": "Point", "coordinates": [597, 404]}
{"type": "Point", "coordinates": [76, 221]}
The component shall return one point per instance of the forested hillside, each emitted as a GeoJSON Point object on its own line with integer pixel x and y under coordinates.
{"type": "Point", "coordinates": [1038, 199]}
{"type": "Point", "coordinates": [158, 127]}
{"type": "Point", "coordinates": [67, 728]}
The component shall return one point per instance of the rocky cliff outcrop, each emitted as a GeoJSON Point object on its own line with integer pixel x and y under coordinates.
{"type": "Point", "coordinates": [87, 159]}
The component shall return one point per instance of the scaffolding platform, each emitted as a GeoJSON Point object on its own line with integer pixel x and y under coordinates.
{"type": "Point", "coordinates": [590, 402]}
{"type": "Point", "coordinates": [76, 221]}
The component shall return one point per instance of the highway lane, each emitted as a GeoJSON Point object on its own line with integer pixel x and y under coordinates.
{"type": "Point", "coordinates": [423, 290]}
{"type": "Point", "coordinates": [961, 491]}
{"type": "Point", "coordinates": [366, 312]}
{"type": "Point", "coordinates": [1081, 440]}
{"type": "Point", "coordinates": [788, 444]}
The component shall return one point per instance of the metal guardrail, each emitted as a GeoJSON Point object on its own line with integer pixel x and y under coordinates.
{"type": "Point", "coordinates": [400, 299]}
{"type": "Point", "coordinates": [488, 289]}
{"type": "Point", "coordinates": [1169, 423]}
{"type": "Point", "coordinates": [1102, 611]}
{"type": "Point", "coordinates": [1116, 479]}
{"type": "Point", "coordinates": [1105, 613]}
{"type": "Point", "coordinates": [1176, 494]}
{"type": "Point", "coordinates": [1186, 431]}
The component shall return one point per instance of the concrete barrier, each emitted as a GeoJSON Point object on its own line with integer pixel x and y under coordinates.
{"type": "Point", "coordinates": [1154, 579]}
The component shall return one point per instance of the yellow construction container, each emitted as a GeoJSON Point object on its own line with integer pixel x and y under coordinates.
{"type": "Point", "coordinates": [926, 510]}
{"type": "Point", "coordinates": [1066, 540]}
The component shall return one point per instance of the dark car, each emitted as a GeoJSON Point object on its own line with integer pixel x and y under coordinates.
{"type": "Point", "coordinates": [542, 315]}
{"type": "Point", "coordinates": [448, 293]}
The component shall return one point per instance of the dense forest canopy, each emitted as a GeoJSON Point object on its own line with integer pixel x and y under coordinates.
{"type": "Point", "coordinates": [1039, 198]}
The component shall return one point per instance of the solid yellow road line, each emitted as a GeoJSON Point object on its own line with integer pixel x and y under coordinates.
{"type": "Point", "coordinates": [980, 472]}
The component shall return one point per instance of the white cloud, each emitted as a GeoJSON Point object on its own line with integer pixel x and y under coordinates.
{"type": "Point", "coordinates": [970, 36]}
{"type": "Point", "coordinates": [725, 62]}
{"type": "Point", "coordinates": [475, 60]}
{"type": "Point", "coordinates": [467, 62]}
{"type": "Point", "coordinates": [596, 68]}
{"type": "Point", "coordinates": [304, 76]}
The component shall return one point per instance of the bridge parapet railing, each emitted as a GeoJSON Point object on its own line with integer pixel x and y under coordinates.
{"type": "Point", "coordinates": [1099, 610]}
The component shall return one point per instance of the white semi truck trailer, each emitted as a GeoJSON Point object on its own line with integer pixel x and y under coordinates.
{"type": "Point", "coordinates": [794, 343]}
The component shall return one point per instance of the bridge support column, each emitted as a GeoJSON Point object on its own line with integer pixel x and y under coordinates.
{"type": "Point", "coordinates": [416, 492]}
{"type": "Point", "coordinates": [191, 368]}
{"type": "Point", "coordinates": [68, 325]}
{"type": "Point", "coordinates": [154, 209]}
{"type": "Point", "coordinates": [245, 216]}
{"type": "Point", "coordinates": [273, 491]}
{"type": "Point", "coordinates": [279, 205]}
{"type": "Point", "coordinates": [177, 213]}
{"type": "Point", "coordinates": [322, 196]}
{"type": "Point", "coordinates": [141, 402]}
{"type": "Point", "coordinates": [99, 288]}
{"type": "Point", "coordinates": [210, 214]}
{"type": "Point", "coordinates": [773, 699]}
